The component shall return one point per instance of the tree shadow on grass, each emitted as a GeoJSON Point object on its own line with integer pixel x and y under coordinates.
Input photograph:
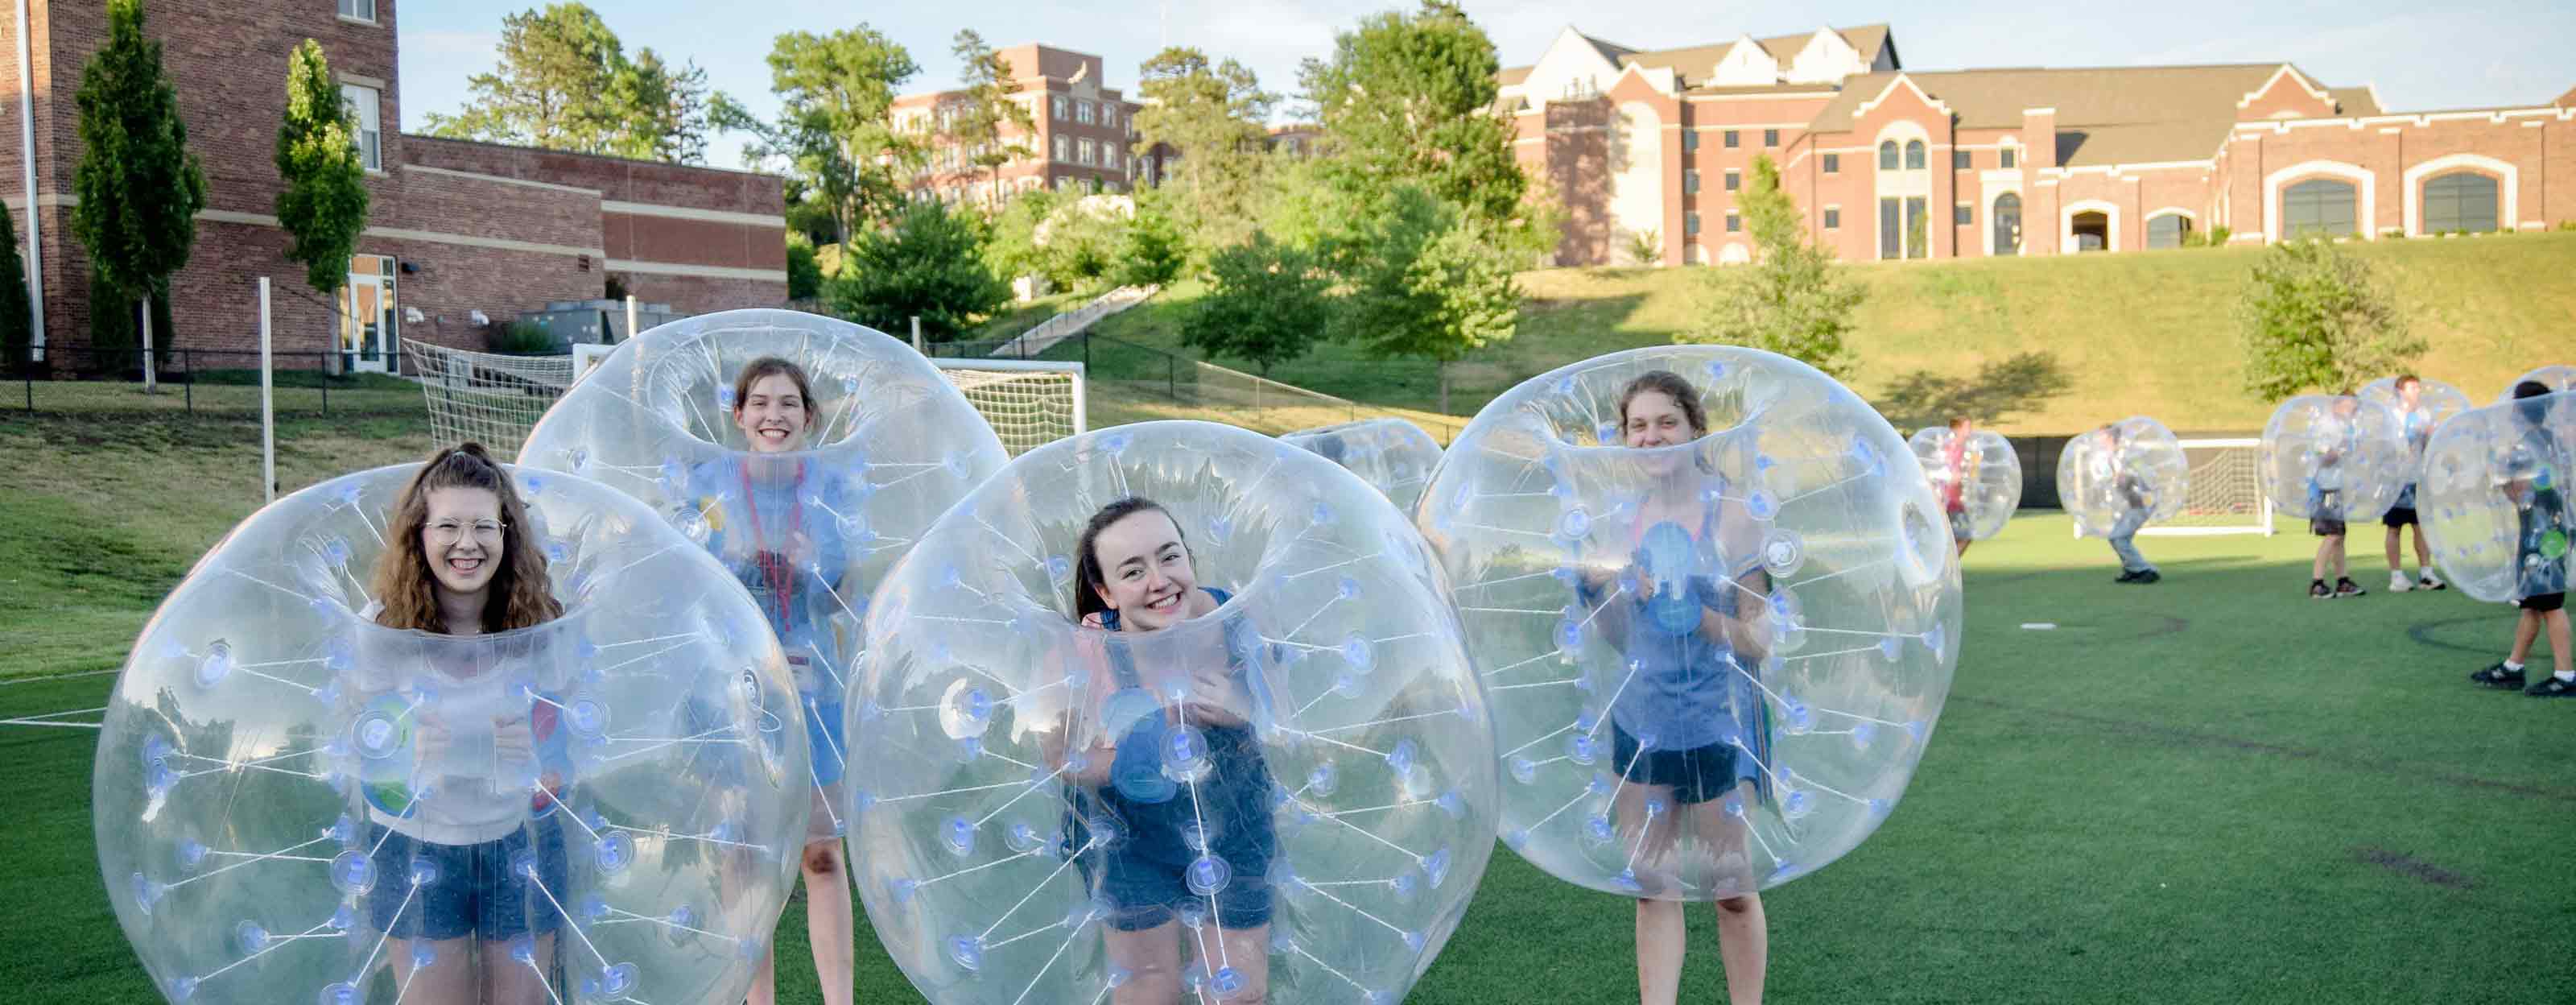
{"type": "Point", "coordinates": [2019, 383]}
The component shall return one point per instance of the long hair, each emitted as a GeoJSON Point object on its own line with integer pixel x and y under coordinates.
{"type": "Point", "coordinates": [773, 366]}
{"type": "Point", "coordinates": [1088, 576]}
{"type": "Point", "coordinates": [1670, 385]}
{"type": "Point", "coordinates": [402, 581]}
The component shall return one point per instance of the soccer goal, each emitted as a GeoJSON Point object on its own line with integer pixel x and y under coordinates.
{"type": "Point", "coordinates": [494, 399]}
{"type": "Point", "coordinates": [2226, 491]}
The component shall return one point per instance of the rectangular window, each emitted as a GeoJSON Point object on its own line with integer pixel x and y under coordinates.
{"type": "Point", "coordinates": [1063, 148]}
{"type": "Point", "coordinates": [1084, 155]}
{"type": "Point", "coordinates": [2011, 157]}
{"type": "Point", "coordinates": [362, 102]}
{"type": "Point", "coordinates": [1690, 223]}
{"type": "Point", "coordinates": [1082, 112]}
{"type": "Point", "coordinates": [1734, 223]}
{"type": "Point", "coordinates": [1061, 104]}
{"type": "Point", "coordinates": [1918, 230]}
{"type": "Point", "coordinates": [1833, 217]}
{"type": "Point", "coordinates": [1770, 137]}
{"type": "Point", "coordinates": [1963, 215]}
{"type": "Point", "coordinates": [1690, 140]}
{"type": "Point", "coordinates": [1734, 180]}
{"type": "Point", "coordinates": [1959, 160]}
{"type": "Point", "coordinates": [1108, 114]}
{"type": "Point", "coordinates": [1108, 156]}
{"type": "Point", "coordinates": [1891, 227]}
{"type": "Point", "coordinates": [1690, 181]}
{"type": "Point", "coordinates": [1833, 163]}
{"type": "Point", "coordinates": [1730, 139]}
{"type": "Point", "coordinates": [358, 10]}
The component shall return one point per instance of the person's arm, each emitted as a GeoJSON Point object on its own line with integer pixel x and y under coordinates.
{"type": "Point", "coordinates": [1081, 734]}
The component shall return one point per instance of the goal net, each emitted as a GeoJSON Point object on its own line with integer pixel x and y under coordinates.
{"type": "Point", "coordinates": [2226, 491]}
{"type": "Point", "coordinates": [494, 399]}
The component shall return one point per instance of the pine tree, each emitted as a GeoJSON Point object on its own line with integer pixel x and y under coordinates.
{"type": "Point", "coordinates": [17, 314]}
{"type": "Point", "coordinates": [139, 187]}
{"type": "Point", "coordinates": [324, 203]}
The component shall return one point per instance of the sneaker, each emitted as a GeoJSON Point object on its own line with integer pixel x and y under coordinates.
{"type": "Point", "coordinates": [2317, 590]}
{"type": "Point", "coordinates": [2347, 588]}
{"type": "Point", "coordinates": [2149, 576]}
{"type": "Point", "coordinates": [2498, 676]}
{"type": "Point", "coordinates": [2397, 582]}
{"type": "Point", "coordinates": [2432, 582]}
{"type": "Point", "coordinates": [2551, 687]}
{"type": "Point", "coordinates": [2126, 577]}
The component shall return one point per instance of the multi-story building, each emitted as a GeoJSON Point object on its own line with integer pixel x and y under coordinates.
{"type": "Point", "coordinates": [2028, 161]}
{"type": "Point", "coordinates": [1083, 135]}
{"type": "Point", "coordinates": [454, 229]}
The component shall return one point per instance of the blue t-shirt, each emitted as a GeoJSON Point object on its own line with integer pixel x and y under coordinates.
{"type": "Point", "coordinates": [1233, 800]}
{"type": "Point", "coordinates": [2541, 541]}
{"type": "Point", "coordinates": [1687, 690]}
{"type": "Point", "coordinates": [778, 531]}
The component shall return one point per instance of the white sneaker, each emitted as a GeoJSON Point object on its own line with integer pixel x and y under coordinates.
{"type": "Point", "coordinates": [2431, 581]}
{"type": "Point", "coordinates": [2397, 582]}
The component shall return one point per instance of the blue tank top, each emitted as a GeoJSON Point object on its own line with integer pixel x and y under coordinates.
{"type": "Point", "coordinates": [1233, 802]}
{"type": "Point", "coordinates": [1686, 690]}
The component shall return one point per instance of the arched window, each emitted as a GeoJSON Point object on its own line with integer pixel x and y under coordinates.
{"type": "Point", "coordinates": [2167, 231]}
{"type": "Point", "coordinates": [1914, 155]}
{"type": "Point", "coordinates": [1887, 155]}
{"type": "Point", "coordinates": [2007, 219]}
{"type": "Point", "coordinates": [2461, 200]}
{"type": "Point", "coordinates": [2320, 207]}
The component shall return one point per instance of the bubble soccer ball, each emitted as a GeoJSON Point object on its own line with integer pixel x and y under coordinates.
{"type": "Point", "coordinates": [2334, 457]}
{"type": "Point", "coordinates": [2131, 470]}
{"type": "Point", "coordinates": [810, 532]}
{"type": "Point", "coordinates": [2435, 404]}
{"type": "Point", "coordinates": [1714, 664]}
{"type": "Point", "coordinates": [1392, 454]}
{"type": "Point", "coordinates": [2556, 377]}
{"type": "Point", "coordinates": [296, 804]}
{"type": "Point", "coordinates": [2495, 497]}
{"type": "Point", "coordinates": [1980, 492]}
{"type": "Point", "coordinates": [1303, 780]}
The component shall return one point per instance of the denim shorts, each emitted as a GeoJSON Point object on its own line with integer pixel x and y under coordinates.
{"type": "Point", "coordinates": [474, 892]}
{"type": "Point", "coordinates": [1697, 775]}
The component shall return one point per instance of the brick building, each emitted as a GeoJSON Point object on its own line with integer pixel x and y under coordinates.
{"type": "Point", "coordinates": [455, 228]}
{"type": "Point", "coordinates": [2024, 161]}
{"type": "Point", "coordinates": [1084, 135]}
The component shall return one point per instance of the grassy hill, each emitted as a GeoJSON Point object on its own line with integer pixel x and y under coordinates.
{"type": "Point", "coordinates": [2147, 333]}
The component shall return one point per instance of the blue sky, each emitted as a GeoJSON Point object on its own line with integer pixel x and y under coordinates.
{"type": "Point", "coordinates": [2421, 57]}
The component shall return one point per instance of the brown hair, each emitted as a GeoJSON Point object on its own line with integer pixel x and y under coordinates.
{"type": "Point", "coordinates": [402, 581]}
{"type": "Point", "coordinates": [1088, 576]}
{"type": "Point", "coordinates": [1957, 421]}
{"type": "Point", "coordinates": [1670, 385]}
{"type": "Point", "coordinates": [2404, 379]}
{"type": "Point", "coordinates": [772, 366]}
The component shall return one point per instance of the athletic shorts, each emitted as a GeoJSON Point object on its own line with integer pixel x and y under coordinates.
{"type": "Point", "coordinates": [2323, 527]}
{"type": "Point", "coordinates": [2543, 603]}
{"type": "Point", "coordinates": [1697, 775]}
{"type": "Point", "coordinates": [1143, 872]}
{"type": "Point", "coordinates": [2399, 516]}
{"type": "Point", "coordinates": [475, 892]}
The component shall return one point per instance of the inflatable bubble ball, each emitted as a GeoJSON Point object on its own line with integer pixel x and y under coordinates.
{"type": "Point", "coordinates": [2434, 403]}
{"type": "Point", "coordinates": [2556, 377]}
{"type": "Point", "coordinates": [1272, 759]}
{"type": "Point", "coordinates": [2123, 475]}
{"type": "Point", "coordinates": [1392, 454]}
{"type": "Point", "coordinates": [808, 511]}
{"type": "Point", "coordinates": [1978, 479]}
{"type": "Point", "coordinates": [1715, 601]}
{"type": "Point", "coordinates": [294, 803]}
{"type": "Point", "coordinates": [2495, 497]}
{"type": "Point", "coordinates": [2334, 457]}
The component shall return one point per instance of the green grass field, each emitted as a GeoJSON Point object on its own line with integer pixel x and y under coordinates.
{"type": "Point", "coordinates": [2136, 334]}
{"type": "Point", "coordinates": [2208, 790]}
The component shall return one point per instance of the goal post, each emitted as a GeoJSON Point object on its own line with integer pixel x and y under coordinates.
{"type": "Point", "coordinates": [2225, 494]}
{"type": "Point", "coordinates": [1029, 403]}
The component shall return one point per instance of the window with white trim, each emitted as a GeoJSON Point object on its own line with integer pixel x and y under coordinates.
{"type": "Point", "coordinates": [1082, 112]}
{"type": "Point", "coordinates": [1833, 218]}
{"type": "Point", "coordinates": [2319, 207]}
{"type": "Point", "coordinates": [2167, 231]}
{"type": "Point", "coordinates": [1833, 163]}
{"type": "Point", "coordinates": [2011, 156]}
{"type": "Point", "coordinates": [1063, 148]}
{"type": "Point", "coordinates": [359, 10]}
{"type": "Point", "coordinates": [364, 105]}
{"type": "Point", "coordinates": [1914, 155]}
{"type": "Point", "coordinates": [1083, 153]}
{"type": "Point", "coordinates": [1734, 180]}
{"type": "Point", "coordinates": [1062, 103]}
{"type": "Point", "coordinates": [1887, 155]}
{"type": "Point", "coordinates": [2460, 200]}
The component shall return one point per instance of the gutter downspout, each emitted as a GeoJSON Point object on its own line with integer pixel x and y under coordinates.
{"type": "Point", "coordinates": [27, 160]}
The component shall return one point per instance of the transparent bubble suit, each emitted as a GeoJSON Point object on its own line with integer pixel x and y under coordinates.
{"type": "Point", "coordinates": [2136, 466]}
{"type": "Point", "coordinates": [272, 826]}
{"type": "Point", "coordinates": [1642, 755]}
{"type": "Point", "coordinates": [1392, 454]}
{"type": "Point", "coordinates": [2435, 404]}
{"type": "Point", "coordinates": [2494, 499]}
{"type": "Point", "coordinates": [1989, 481]}
{"type": "Point", "coordinates": [2556, 377]}
{"type": "Point", "coordinates": [891, 445]}
{"type": "Point", "coordinates": [2334, 457]}
{"type": "Point", "coordinates": [1350, 784]}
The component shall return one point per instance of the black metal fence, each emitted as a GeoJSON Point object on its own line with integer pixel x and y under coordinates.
{"type": "Point", "coordinates": [1141, 377]}
{"type": "Point", "coordinates": [218, 382]}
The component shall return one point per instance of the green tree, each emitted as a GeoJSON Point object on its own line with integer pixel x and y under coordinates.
{"type": "Point", "coordinates": [323, 204]}
{"type": "Point", "coordinates": [804, 274]}
{"type": "Point", "coordinates": [17, 313]}
{"type": "Point", "coordinates": [2315, 317]}
{"type": "Point", "coordinates": [1265, 303]}
{"type": "Point", "coordinates": [1211, 117]}
{"type": "Point", "coordinates": [1787, 301]}
{"type": "Point", "coordinates": [139, 187]}
{"type": "Point", "coordinates": [566, 83]}
{"type": "Point", "coordinates": [834, 129]}
{"type": "Point", "coordinates": [929, 264]}
{"type": "Point", "coordinates": [1427, 279]}
{"type": "Point", "coordinates": [1154, 250]}
{"type": "Point", "coordinates": [983, 108]}
{"type": "Point", "coordinates": [1412, 98]}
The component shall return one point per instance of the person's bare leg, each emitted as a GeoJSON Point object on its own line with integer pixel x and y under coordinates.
{"type": "Point", "coordinates": [449, 977]}
{"type": "Point", "coordinates": [2341, 567]}
{"type": "Point", "coordinates": [2423, 553]}
{"type": "Point", "coordinates": [829, 927]}
{"type": "Point", "coordinates": [1662, 941]}
{"type": "Point", "coordinates": [1247, 950]}
{"type": "Point", "coordinates": [2559, 651]}
{"type": "Point", "coordinates": [1744, 942]}
{"type": "Point", "coordinates": [1152, 959]}
{"type": "Point", "coordinates": [764, 981]}
{"type": "Point", "coordinates": [1963, 547]}
{"type": "Point", "coordinates": [2395, 538]}
{"type": "Point", "coordinates": [2525, 629]}
{"type": "Point", "coordinates": [2317, 565]}
{"type": "Point", "coordinates": [507, 981]}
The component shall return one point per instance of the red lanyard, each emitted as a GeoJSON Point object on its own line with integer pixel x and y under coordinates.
{"type": "Point", "coordinates": [775, 565]}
